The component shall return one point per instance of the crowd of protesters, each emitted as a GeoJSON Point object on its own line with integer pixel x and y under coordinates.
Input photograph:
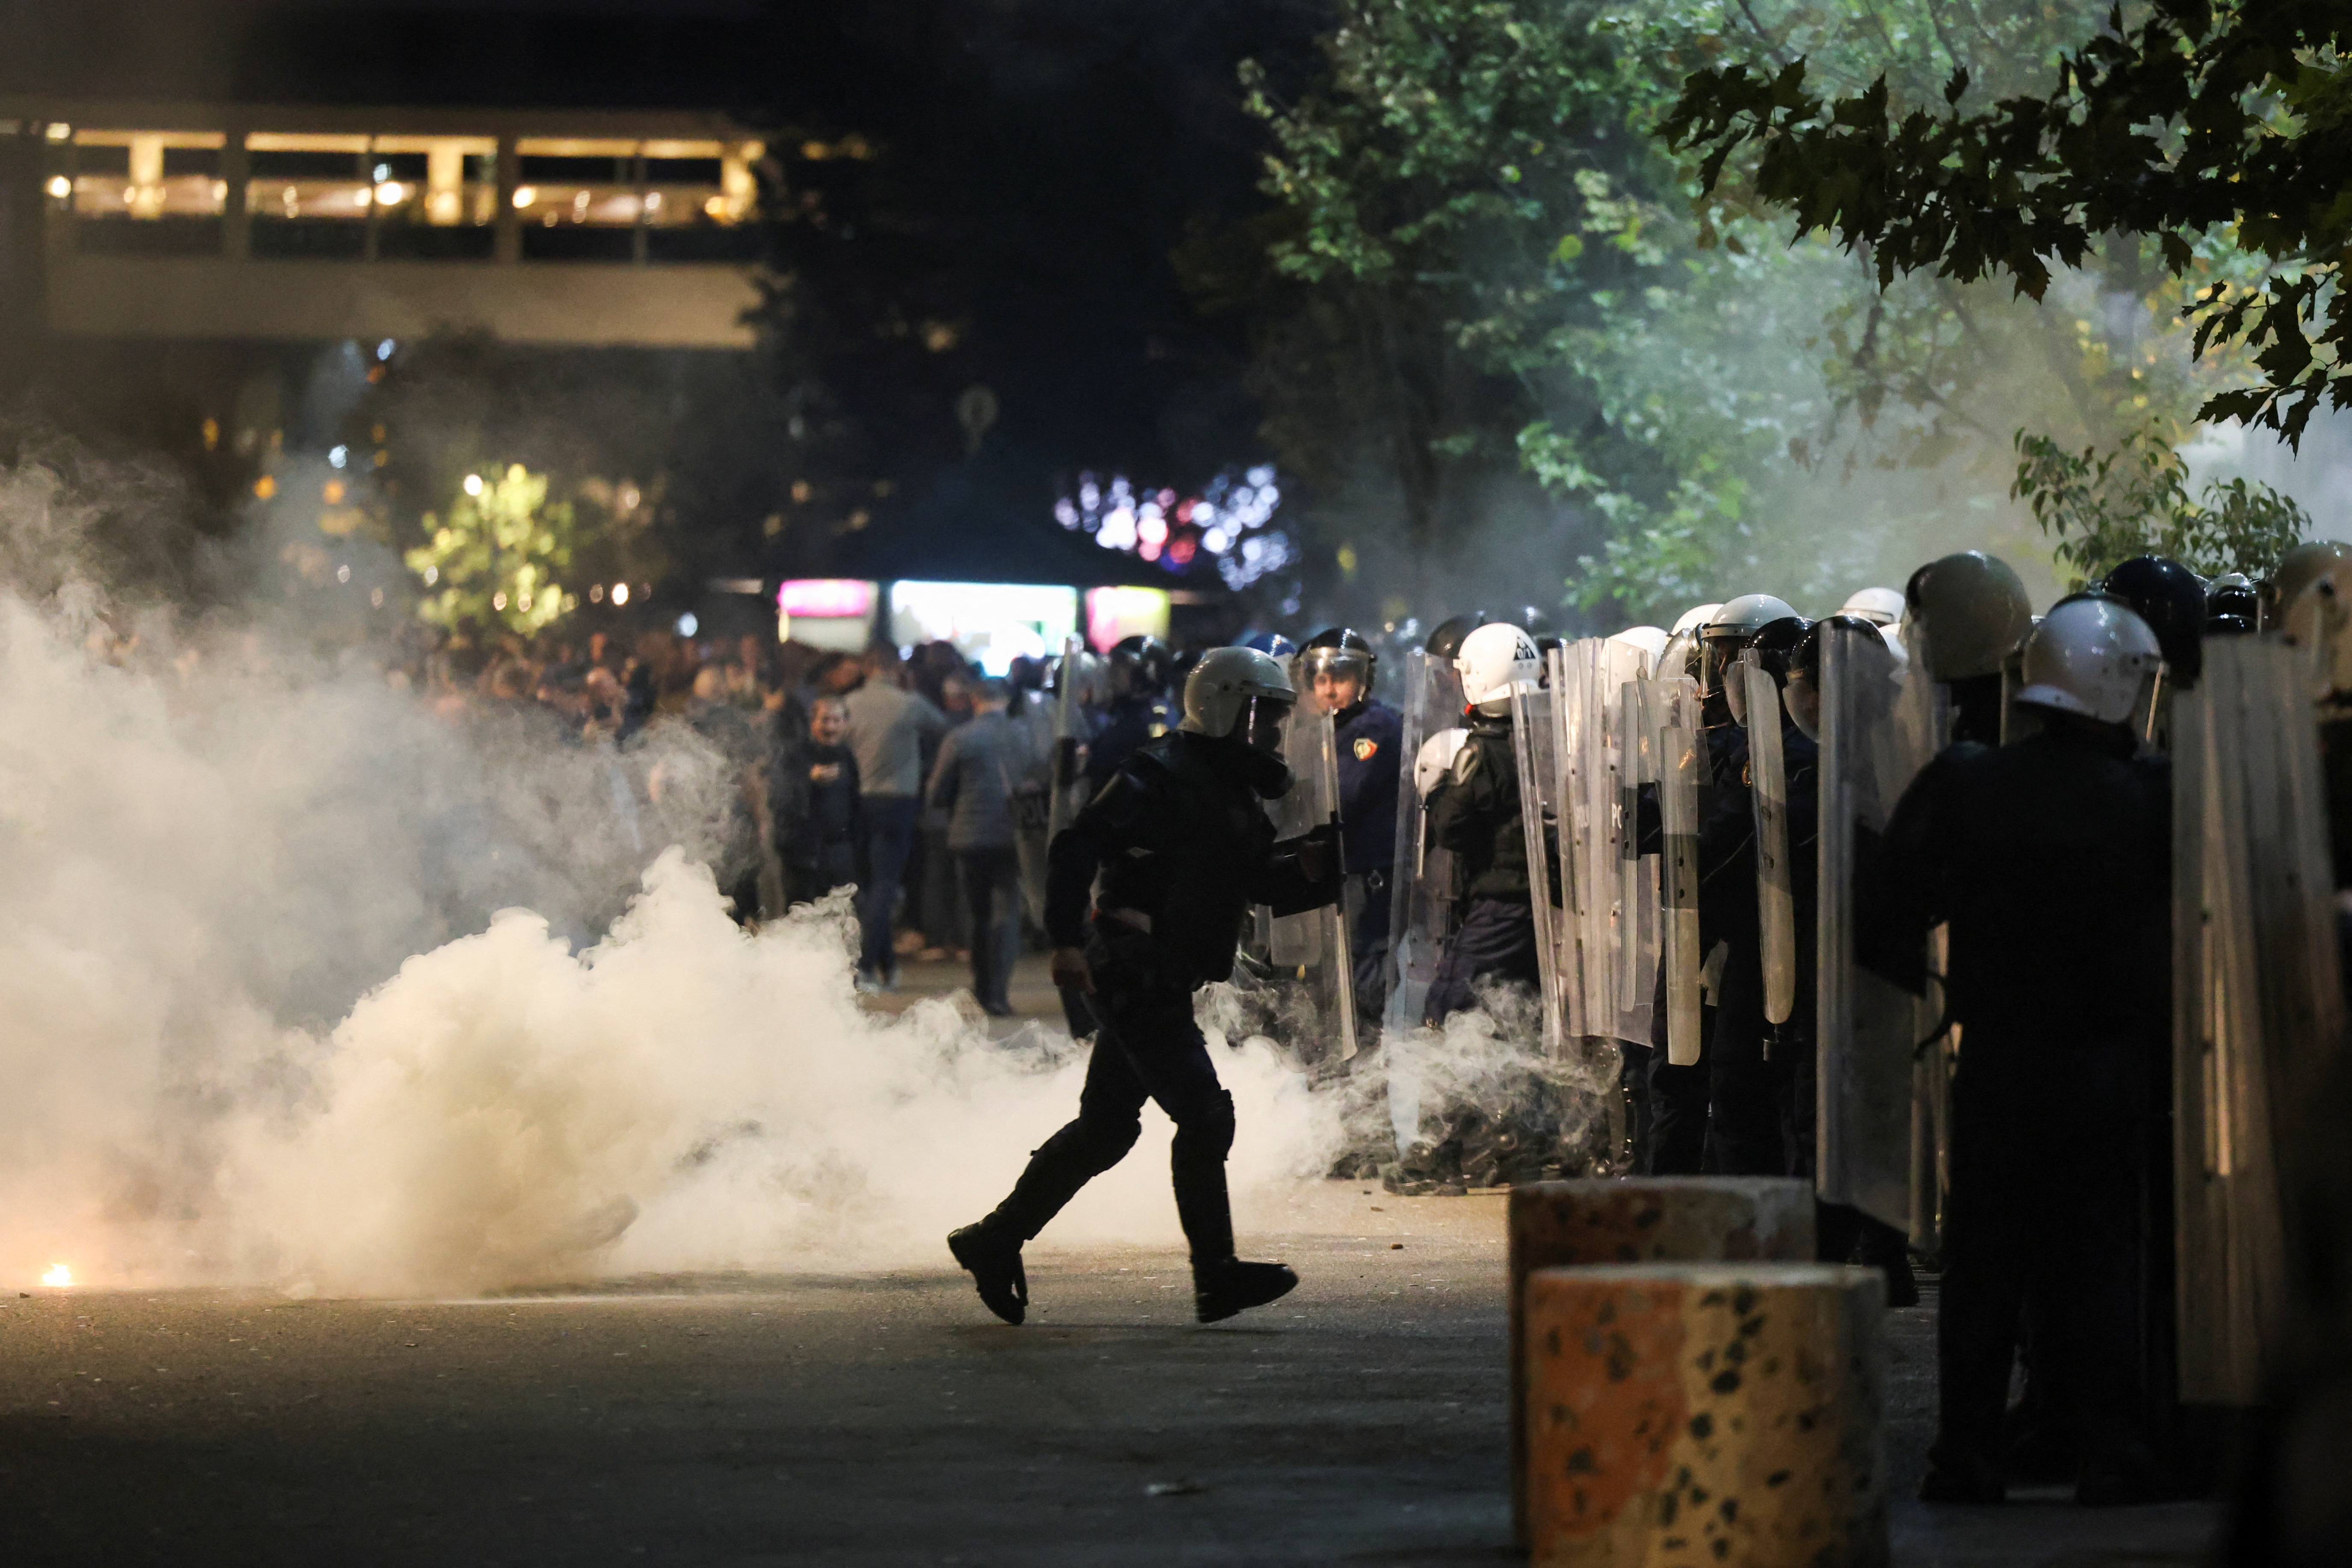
{"type": "Point", "coordinates": [899, 777]}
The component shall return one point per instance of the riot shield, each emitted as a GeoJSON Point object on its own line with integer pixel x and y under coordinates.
{"type": "Point", "coordinates": [1776, 896]}
{"type": "Point", "coordinates": [1673, 758]}
{"type": "Point", "coordinates": [1608, 943]}
{"type": "Point", "coordinates": [2258, 1004]}
{"type": "Point", "coordinates": [1308, 953]}
{"type": "Point", "coordinates": [1421, 916]}
{"type": "Point", "coordinates": [1878, 729]}
{"type": "Point", "coordinates": [1535, 746]}
{"type": "Point", "coordinates": [1639, 932]}
{"type": "Point", "coordinates": [1071, 727]}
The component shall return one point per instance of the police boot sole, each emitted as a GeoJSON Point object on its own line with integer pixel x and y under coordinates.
{"type": "Point", "coordinates": [1241, 1286]}
{"type": "Point", "coordinates": [995, 1270]}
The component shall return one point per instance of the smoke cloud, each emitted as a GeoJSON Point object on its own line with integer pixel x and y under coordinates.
{"type": "Point", "coordinates": [304, 985]}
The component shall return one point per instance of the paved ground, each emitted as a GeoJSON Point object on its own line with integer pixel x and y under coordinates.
{"type": "Point", "coordinates": [874, 1420]}
{"type": "Point", "coordinates": [871, 1420]}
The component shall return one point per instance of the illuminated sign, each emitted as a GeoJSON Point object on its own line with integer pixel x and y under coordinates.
{"type": "Point", "coordinates": [991, 624]}
{"type": "Point", "coordinates": [1115, 613]}
{"type": "Point", "coordinates": [826, 599]}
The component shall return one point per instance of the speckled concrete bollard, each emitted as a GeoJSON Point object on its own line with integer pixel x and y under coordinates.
{"type": "Point", "coordinates": [1705, 1414]}
{"type": "Point", "coordinates": [1662, 1219]}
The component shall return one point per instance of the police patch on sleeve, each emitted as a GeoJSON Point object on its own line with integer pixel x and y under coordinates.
{"type": "Point", "coordinates": [1365, 748]}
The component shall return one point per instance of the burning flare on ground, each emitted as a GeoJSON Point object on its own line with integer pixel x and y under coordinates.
{"type": "Point", "coordinates": [58, 1275]}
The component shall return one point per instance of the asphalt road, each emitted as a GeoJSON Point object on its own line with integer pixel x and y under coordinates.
{"type": "Point", "coordinates": [880, 1419]}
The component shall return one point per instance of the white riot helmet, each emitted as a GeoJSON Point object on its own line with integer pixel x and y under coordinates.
{"type": "Point", "coordinates": [1436, 759]}
{"type": "Point", "coordinates": [2094, 658]}
{"type": "Point", "coordinates": [1241, 693]}
{"type": "Point", "coordinates": [1494, 658]}
{"type": "Point", "coordinates": [1733, 627]}
{"type": "Point", "coordinates": [1691, 619]}
{"type": "Point", "coordinates": [1880, 606]}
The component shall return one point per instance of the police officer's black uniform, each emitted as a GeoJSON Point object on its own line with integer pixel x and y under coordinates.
{"type": "Point", "coordinates": [2051, 861]}
{"type": "Point", "coordinates": [1371, 738]}
{"type": "Point", "coordinates": [1181, 837]}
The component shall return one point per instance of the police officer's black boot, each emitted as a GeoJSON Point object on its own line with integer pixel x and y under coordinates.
{"type": "Point", "coordinates": [993, 1255]}
{"type": "Point", "coordinates": [1229, 1286]}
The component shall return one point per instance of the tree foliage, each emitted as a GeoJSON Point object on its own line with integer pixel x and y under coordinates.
{"type": "Point", "coordinates": [2104, 508]}
{"type": "Point", "coordinates": [1471, 201]}
{"type": "Point", "coordinates": [2211, 118]}
{"type": "Point", "coordinates": [500, 557]}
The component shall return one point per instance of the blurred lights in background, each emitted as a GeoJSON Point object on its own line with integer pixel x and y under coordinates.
{"type": "Point", "coordinates": [1229, 521]}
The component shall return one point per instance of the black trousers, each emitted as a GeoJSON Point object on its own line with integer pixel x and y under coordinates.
{"type": "Point", "coordinates": [1369, 907]}
{"type": "Point", "coordinates": [1147, 1047]}
{"type": "Point", "coordinates": [2047, 1140]}
{"type": "Point", "coordinates": [1678, 1096]}
{"type": "Point", "coordinates": [1496, 941]}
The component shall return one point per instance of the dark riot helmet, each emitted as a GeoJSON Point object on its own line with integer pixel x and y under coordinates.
{"type": "Point", "coordinates": [1145, 660]}
{"type": "Point", "coordinates": [1444, 643]}
{"type": "Point", "coordinates": [1343, 651]}
{"type": "Point", "coordinates": [2172, 599]}
{"type": "Point", "coordinates": [1802, 682]}
{"type": "Point", "coordinates": [1274, 645]}
{"type": "Point", "coordinates": [2232, 604]}
{"type": "Point", "coordinates": [1775, 645]}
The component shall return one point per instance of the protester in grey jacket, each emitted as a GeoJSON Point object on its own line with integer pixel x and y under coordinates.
{"type": "Point", "coordinates": [980, 766]}
{"type": "Point", "coordinates": [886, 726]}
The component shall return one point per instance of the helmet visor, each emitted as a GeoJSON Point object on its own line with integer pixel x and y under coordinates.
{"type": "Point", "coordinates": [1716, 652]}
{"type": "Point", "coordinates": [1735, 692]}
{"type": "Point", "coordinates": [1804, 700]}
{"type": "Point", "coordinates": [1338, 677]}
{"type": "Point", "coordinates": [1262, 722]}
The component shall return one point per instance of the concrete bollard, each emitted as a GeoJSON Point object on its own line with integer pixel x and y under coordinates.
{"type": "Point", "coordinates": [1707, 1413]}
{"type": "Point", "coordinates": [1662, 1219]}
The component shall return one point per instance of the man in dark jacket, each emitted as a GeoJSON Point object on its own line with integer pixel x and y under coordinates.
{"type": "Point", "coordinates": [974, 778]}
{"type": "Point", "coordinates": [1182, 845]}
{"type": "Point", "coordinates": [820, 824]}
{"type": "Point", "coordinates": [2050, 861]}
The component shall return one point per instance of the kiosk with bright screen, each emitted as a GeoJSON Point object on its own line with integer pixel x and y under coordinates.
{"type": "Point", "coordinates": [834, 612]}
{"type": "Point", "coordinates": [991, 624]}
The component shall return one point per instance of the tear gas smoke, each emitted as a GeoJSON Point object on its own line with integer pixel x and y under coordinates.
{"type": "Point", "coordinates": [300, 984]}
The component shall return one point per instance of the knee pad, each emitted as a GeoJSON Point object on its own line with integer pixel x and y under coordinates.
{"type": "Point", "coordinates": [1209, 1132]}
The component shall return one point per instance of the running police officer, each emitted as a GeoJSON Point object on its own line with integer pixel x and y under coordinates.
{"type": "Point", "coordinates": [1336, 668]}
{"type": "Point", "coordinates": [1181, 840]}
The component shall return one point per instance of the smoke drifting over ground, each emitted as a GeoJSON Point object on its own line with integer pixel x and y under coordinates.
{"type": "Point", "coordinates": [262, 1020]}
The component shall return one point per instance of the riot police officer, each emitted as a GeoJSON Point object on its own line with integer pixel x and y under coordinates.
{"type": "Point", "coordinates": [1337, 667]}
{"type": "Point", "coordinates": [1183, 847]}
{"type": "Point", "coordinates": [1137, 712]}
{"type": "Point", "coordinates": [1680, 1097]}
{"type": "Point", "coordinates": [2049, 861]}
{"type": "Point", "coordinates": [1474, 812]}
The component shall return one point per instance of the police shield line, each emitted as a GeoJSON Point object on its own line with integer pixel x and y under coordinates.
{"type": "Point", "coordinates": [2015, 935]}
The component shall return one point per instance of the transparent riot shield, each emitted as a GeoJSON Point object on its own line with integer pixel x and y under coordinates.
{"type": "Point", "coordinates": [1535, 747]}
{"type": "Point", "coordinates": [1308, 953]}
{"type": "Point", "coordinates": [1634, 950]}
{"type": "Point", "coordinates": [1422, 914]}
{"type": "Point", "coordinates": [2258, 1003]}
{"type": "Point", "coordinates": [1878, 729]}
{"type": "Point", "coordinates": [1776, 896]}
{"type": "Point", "coordinates": [1673, 758]}
{"type": "Point", "coordinates": [1422, 884]}
{"type": "Point", "coordinates": [1071, 727]}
